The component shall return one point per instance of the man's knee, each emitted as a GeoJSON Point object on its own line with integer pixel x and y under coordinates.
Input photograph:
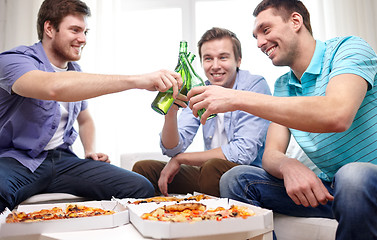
{"type": "Point", "coordinates": [210, 173]}
{"type": "Point", "coordinates": [6, 196]}
{"type": "Point", "coordinates": [132, 185]}
{"type": "Point", "coordinates": [355, 197]}
{"type": "Point", "coordinates": [216, 166]}
{"type": "Point", "coordinates": [211, 166]}
{"type": "Point", "coordinates": [145, 189]}
{"type": "Point", "coordinates": [355, 183]}
{"type": "Point", "coordinates": [150, 169]}
{"type": "Point", "coordinates": [355, 175]}
{"type": "Point", "coordinates": [229, 180]}
{"type": "Point", "coordinates": [147, 167]}
{"type": "Point", "coordinates": [236, 177]}
{"type": "Point", "coordinates": [140, 166]}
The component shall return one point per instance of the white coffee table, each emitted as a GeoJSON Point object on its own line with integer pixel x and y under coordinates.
{"type": "Point", "coordinates": [128, 231]}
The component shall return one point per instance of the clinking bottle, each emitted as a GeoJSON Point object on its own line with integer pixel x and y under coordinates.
{"type": "Point", "coordinates": [164, 100]}
{"type": "Point", "coordinates": [184, 76]}
{"type": "Point", "coordinates": [193, 79]}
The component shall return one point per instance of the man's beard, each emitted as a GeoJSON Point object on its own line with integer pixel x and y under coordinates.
{"type": "Point", "coordinates": [65, 53]}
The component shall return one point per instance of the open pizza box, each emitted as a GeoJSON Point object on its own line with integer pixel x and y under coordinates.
{"type": "Point", "coordinates": [262, 221]}
{"type": "Point", "coordinates": [181, 197]}
{"type": "Point", "coordinates": [120, 217]}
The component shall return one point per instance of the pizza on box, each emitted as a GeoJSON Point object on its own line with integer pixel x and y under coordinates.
{"type": "Point", "coordinates": [191, 212]}
{"type": "Point", "coordinates": [71, 211]}
{"type": "Point", "coordinates": [159, 199]}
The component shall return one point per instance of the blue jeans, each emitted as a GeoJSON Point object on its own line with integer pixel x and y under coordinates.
{"type": "Point", "coordinates": [354, 188]}
{"type": "Point", "coordinates": [63, 172]}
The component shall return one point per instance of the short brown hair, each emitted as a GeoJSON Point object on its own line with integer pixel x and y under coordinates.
{"type": "Point", "coordinates": [286, 8]}
{"type": "Point", "coordinates": [219, 33]}
{"type": "Point", "coordinates": [55, 10]}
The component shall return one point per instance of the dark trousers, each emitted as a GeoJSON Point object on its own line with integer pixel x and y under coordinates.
{"type": "Point", "coordinates": [63, 172]}
{"type": "Point", "coordinates": [189, 179]}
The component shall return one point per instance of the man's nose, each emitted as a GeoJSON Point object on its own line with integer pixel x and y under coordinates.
{"type": "Point", "coordinates": [261, 41]}
{"type": "Point", "coordinates": [216, 63]}
{"type": "Point", "coordinates": [82, 38]}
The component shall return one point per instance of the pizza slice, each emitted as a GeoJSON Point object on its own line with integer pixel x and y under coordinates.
{"type": "Point", "coordinates": [75, 211]}
{"type": "Point", "coordinates": [36, 216]}
{"type": "Point", "coordinates": [71, 211]}
{"type": "Point", "coordinates": [189, 212]}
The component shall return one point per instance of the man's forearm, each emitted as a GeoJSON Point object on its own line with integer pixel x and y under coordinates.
{"type": "Point", "coordinates": [272, 163]}
{"type": "Point", "coordinates": [333, 112]}
{"type": "Point", "coordinates": [169, 134]}
{"type": "Point", "coordinates": [198, 158]}
{"type": "Point", "coordinates": [69, 86]}
{"type": "Point", "coordinates": [86, 131]}
{"type": "Point", "coordinates": [87, 139]}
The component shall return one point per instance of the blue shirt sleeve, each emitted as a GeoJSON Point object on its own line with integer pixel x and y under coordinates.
{"type": "Point", "coordinates": [355, 56]}
{"type": "Point", "coordinates": [247, 133]}
{"type": "Point", "coordinates": [188, 126]}
{"type": "Point", "coordinates": [13, 66]}
{"type": "Point", "coordinates": [84, 105]}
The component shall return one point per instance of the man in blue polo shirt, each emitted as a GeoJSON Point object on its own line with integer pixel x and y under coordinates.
{"type": "Point", "coordinates": [42, 94]}
{"type": "Point", "coordinates": [328, 102]}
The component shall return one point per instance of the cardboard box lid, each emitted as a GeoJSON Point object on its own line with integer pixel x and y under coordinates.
{"type": "Point", "coordinates": [181, 197]}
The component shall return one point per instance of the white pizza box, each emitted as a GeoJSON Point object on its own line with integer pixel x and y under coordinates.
{"type": "Point", "coordinates": [262, 220]}
{"type": "Point", "coordinates": [119, 218]}
{"type": "Point", "coordinates": [128, 201]}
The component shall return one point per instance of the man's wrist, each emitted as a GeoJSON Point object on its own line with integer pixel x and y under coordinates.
{"type": "Point", "coordinates": [179, 158]}
{"type": "Point", "coordinates": [284, 165]}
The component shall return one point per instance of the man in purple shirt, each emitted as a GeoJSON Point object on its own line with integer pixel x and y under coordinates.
{"type": "Point", "coordinates": [42, 93]}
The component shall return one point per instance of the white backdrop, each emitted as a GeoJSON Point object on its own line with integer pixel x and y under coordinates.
{"type": "Point", "coordinates": [139, 36]}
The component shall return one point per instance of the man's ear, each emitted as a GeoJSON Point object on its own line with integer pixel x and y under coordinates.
{"type": "Point", "coordinates": [239, 62]}
{"type": "Point", "coordinates": [48, 29]}
{"type": "Point", "coordinates": [297, 21]}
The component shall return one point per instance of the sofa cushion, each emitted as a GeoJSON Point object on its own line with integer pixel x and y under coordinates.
{"type": "Point", "coordinates": [300, 228]}
{"type": "Point", "coordinates": [53, 198]}
{"type": "Point", "coordinates": [127, 160]}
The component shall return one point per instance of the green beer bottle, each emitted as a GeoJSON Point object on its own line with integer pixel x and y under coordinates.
{"type": "Point", "coordinates": [193, 80]}
{"type": "Point", "coordinates": [184, 90]}
{"type": "Point", "coordinates": [164, 100]}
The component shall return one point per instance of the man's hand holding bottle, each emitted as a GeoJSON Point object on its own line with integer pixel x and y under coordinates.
{"type": "Point", "coordinates": [161, 81]}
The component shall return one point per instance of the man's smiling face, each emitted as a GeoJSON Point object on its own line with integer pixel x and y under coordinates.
{"type": "Point", "coordinates": [68, 42]}
{"type": "Point", "coordinates": [219, 63]}
{"type": "Point", "coordinates": [275, 37]}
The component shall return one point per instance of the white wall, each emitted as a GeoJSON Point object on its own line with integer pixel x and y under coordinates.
{"type": "Point", "coordinates": [18, 22]}
{"type": "Point", "coordinates": [139, 36]}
